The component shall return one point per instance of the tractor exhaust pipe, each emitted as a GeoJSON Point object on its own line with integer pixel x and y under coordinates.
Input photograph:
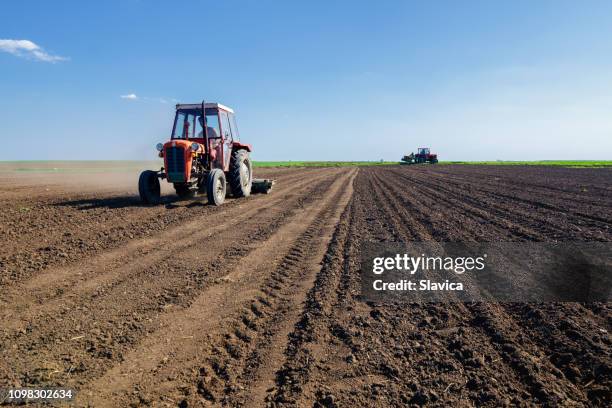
{"type": "Point", "coordinates": [205, 132]}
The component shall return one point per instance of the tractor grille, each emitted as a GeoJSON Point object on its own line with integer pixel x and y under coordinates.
{"type": "Point", "coordinates": [175, 158]}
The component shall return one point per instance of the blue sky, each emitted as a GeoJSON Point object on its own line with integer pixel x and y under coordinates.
{"type": "Point", "coordinates": [315, 80]}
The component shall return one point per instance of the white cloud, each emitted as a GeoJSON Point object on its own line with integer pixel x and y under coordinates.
{"type": "Point", "coordinates": [28, 49]}
{"type": "Point", "coordinates": [134, 97]}
{"type": "Point", "coordinates": [131, 97]}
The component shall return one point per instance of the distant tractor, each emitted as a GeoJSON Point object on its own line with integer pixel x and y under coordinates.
{"type": "Point", "coordinates": [204, 154]}
{"type": "Point", "coordinates": [423, 155]}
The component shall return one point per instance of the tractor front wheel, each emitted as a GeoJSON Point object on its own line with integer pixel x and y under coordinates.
{"type": "Point", "coordinates": [215, 187]}
{"type": "Point", "coordinates": [148, 187]}
{"type": "Point", "coordinates": [241, 173]}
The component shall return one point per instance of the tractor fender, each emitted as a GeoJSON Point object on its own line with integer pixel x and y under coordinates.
{"type": "Point", "coordinates": [245, 146]}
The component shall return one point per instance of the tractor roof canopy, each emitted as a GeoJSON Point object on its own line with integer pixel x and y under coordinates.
{"type": "Point", "coordinates": [198, 106]}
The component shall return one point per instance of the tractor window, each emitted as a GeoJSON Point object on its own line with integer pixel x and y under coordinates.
{"type": "Point", "coordinates": [234, 127]}
{"type": "Point", "coordinates": [199, 127]}
{"type": "Point", "coordinates": [212, 122]}
{"type": "Point", "coordinates": [225, 125]}
{"type": "Point", "coordinates": [187, 125]}
{"type": "Point", "coordinates": [182, 126]}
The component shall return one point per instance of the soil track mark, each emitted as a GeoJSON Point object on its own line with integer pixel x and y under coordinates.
{"type": "Point", "coordinates": [41, 232]}
{"type": "Point", "coordinates": [47, 291]}
{"type": "Point", "coordinates": [89, 327]}
{"type": "Point", "coordinates": [244, 299]}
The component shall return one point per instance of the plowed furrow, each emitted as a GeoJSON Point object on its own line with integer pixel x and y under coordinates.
{"type": "Point", "coordinates": [245, 317]}
{"type": "Point", "coordinates": [480, 217]}
{"type": "Point", "coordinates": [540, 214]}
{"type": "Point", "coordinates": [516, 361]}
{"type": "Point", "coordinates": [48, 290]}
{"type": "Point", "coordinates": [45, 234]}
{"type": "Point", "coordinates": [532, 197]}
{"type": "Point", "coordinates": [346, 352]}
{"type": "Point", "coordinates": [87, 333]}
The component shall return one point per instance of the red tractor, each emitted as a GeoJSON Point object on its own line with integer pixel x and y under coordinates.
{"type": "Point", "coordinates": [204, 154]}
{"type": "Point", "coordinates": [423, 155]}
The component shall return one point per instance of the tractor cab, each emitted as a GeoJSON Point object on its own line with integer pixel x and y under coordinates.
{"type": "Point", "coordinates": [423, 151]}
{"type": "Point", "coordinates": [189, 123]}
{"type": "Point", "coordinates": [215, 130]}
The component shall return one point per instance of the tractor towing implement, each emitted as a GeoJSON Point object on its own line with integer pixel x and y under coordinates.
{"type": "Point", "coordinates": [423, 155]}
{"type": "Point", "coordinates": [204, 155]}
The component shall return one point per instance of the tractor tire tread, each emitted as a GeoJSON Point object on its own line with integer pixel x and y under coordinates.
{"type": "Point", "coordinates": [210, 187]}
{"type": "Point", "coordinates": [149, 188]}
{"type": "Point", "coordinates": [235, 177]}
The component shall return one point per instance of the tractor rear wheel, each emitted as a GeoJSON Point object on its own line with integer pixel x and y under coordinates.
{"type": "Point", "coordinates": [241, 173]}
{"type": "Point", "coordinates": [183, 191]}
{"type": "Point", "coordinates": [148, 187]}
{"type": "Point", "coordinates": [215, 187]}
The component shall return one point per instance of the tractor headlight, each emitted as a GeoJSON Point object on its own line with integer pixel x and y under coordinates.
{"type": "Point", "coordinates": [159, 147]}
{"type": "Point", "coordinates": [195, 147]}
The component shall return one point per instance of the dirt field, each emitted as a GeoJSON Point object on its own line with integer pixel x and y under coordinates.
{"type": "Point", "coordinates": [255, 303]}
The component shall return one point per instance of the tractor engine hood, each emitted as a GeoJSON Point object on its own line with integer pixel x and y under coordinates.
{"type": "Point", "coordinates": [178, 155]}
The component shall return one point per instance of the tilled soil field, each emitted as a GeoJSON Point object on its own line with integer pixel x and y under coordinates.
{"type": "Point", "coordinates": [256, 303]}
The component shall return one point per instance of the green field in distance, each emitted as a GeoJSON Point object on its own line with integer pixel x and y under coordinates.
{"type": "Point", "coordinates": [101, 166]}
{"type": "Point", "coordinates": [561, 163]}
